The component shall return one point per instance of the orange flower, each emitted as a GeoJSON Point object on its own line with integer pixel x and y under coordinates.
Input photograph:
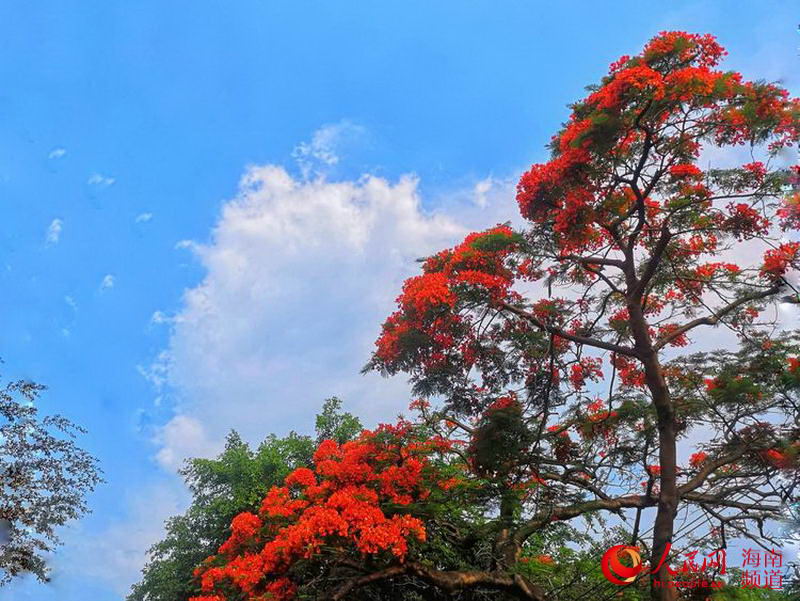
{"type": "Point", "coordinates": [698, 459]}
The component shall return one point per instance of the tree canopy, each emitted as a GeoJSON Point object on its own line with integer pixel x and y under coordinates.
{"type": "Point", "coordinates": [44, 480]}
{"type": "Point", "coordinates": [234, 482]}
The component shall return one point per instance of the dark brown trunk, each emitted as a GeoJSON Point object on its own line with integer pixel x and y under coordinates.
{"type": "Point", "coordinates": [668, 494]}
{"type": "Point", "coordinates": [667, 456]}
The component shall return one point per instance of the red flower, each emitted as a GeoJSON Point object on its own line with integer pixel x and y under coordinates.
{"type": "Point", "coordinates": [778, 260]}
{"type": "Point", "coordinates": [419, 405]}
{"type": "Point", "coordinates": [756, 169]}
{"type": "Point", "coordinates": [302, 476]}
{"type": "Point", "coordinates": [698, 459]}
{"type": "Point", "coordinates": [685, 170]}
{"type": "Point", "coordinates": [589, 368]}
{"type": "Point", "coordinates": [340, 501]}
{"type": "Point", "coordinates": [777, 459]}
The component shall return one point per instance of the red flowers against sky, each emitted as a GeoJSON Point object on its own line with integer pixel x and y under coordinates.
{"type": "Point", "coordinates": [340, 502]}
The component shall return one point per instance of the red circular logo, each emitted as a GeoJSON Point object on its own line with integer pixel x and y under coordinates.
{"type": "Point", "coordinates": [615, 571]}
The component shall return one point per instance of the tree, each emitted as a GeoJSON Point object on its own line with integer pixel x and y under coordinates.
{"type": "Point", "coordinates": [44, 480]}
{"type": "Point", "coordinates": [553, 354]}
{"type": "Point", "coordinates": [636, 235]}
{"type": "Point", "coordinates": [234, 482]}
{"type": "Point", "coordinates": [350, 520]}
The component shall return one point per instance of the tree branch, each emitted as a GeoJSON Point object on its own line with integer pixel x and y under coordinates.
{"type": "Point", "coordinates": [710, 320]}
{"type": "Point", "coordinates": [616, 348]}
{"type": "Point", "coordinates": [449, 581]}
{"type": "Point", "coordinates": [571, 511]}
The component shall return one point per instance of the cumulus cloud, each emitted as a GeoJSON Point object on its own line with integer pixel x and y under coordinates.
{"type": "Point", "coordinates": [182, 437]}
{"type": "Point", "coordinates": [299, 276]}
{"type": "Point", "coordinates": [54, 231]}
{"type": "Point", "coordinates": [159, 317]}
{"type": "Point", "coordinates": [57, 153]}
{"type": "Point", "coordinates": [143, 217]}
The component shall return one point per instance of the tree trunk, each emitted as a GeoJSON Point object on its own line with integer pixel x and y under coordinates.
{"type": "Point", "coordinates": [667, 455]}
{"type": "Point", "coordinates": [668, 495]}
{"type": "Point", "coordinates": [507, 549]}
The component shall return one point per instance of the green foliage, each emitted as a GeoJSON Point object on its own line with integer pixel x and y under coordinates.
{"type": "Point", "coordinates": [495, 242]}
{"type": "Point", "coordinates": [221, 488]}
{"type": "Point", "coordinates": [332, 424]}
{"type": "Point", "coordinates": [498, 440]}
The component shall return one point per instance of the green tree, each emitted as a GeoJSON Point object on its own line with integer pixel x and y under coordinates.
{"type": "Point", "coordinates": [221, 488]}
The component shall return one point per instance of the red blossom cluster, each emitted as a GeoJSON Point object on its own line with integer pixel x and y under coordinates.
{"type": "Point", "coordinates": [744, 221]}
{"type": "Point", "coordinates": [784, 458]}
{"type": "Point", "coordinates": [588, 368]}
{"type": "Point", "coordinates": [698, 459]}
{"type": "Point", "coordinates": [351, 499]}
{"type": "Point", "coordinates": [578, 191]}
{"type": "Point", "coordinates": [692, 283]}
{"type": "Point", "coordinates": [428, 303]}
{"type": "Point", "coordinates": [562, 444]}
{"type": "Point", "coordinates": [778, 260]}
{"type": "Point", "coordinates": [670, 331]}
{"type": "Point", "coordinates": [600, 422]}
{"type": "Point", "coordinates": [630, 371]}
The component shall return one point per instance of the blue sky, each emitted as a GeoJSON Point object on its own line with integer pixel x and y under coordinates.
{"type": "Point", "coordinates": [208, 207]}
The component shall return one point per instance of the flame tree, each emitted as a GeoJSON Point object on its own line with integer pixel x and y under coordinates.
{"type": "Point", "coordinates": [556, 354]}
{"type": "Point", "coordinates": [637, 251]}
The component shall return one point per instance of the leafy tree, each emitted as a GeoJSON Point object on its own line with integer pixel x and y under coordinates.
{"type": "Point", "coordinates": [554, 353]}
{"type": "Point", "coordinates": [221, 488]}
{"type": "Point", "coordinates": [333, 424]}
{"type": "Point", "coordinates": [625, 259]}
{"type": "Point", "coordinates": [44, 480]}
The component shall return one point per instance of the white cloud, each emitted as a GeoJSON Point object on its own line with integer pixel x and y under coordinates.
{"type": "Point", "coordinates": [159, 317]}
{"type": "Point", "coordinates": [184, 437]}
{"type": "Point", "coordinates": [143, 217]}
{"type": "Point", "coordinates": [481, 189]}
{"type": "Point", "coordinates": [157, 372]}
{"type": "Point", "coordinates": [57, 153]}
{"type": "Point", "coordinates": [54, 231]}
{"type": "Point", "coordinates": [299, 276]}
{"type": "Point", "coordinates": [107, 282]}
{"type": "Point", "coordinates": [323, 151]}
{"type": "Point", "coordinates": [99, 180]}
{"type": "Point", "coordinates": [182, 244]}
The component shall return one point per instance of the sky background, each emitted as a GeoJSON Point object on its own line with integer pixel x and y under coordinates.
{"type": "Point", "coordinates": [209, 207]}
